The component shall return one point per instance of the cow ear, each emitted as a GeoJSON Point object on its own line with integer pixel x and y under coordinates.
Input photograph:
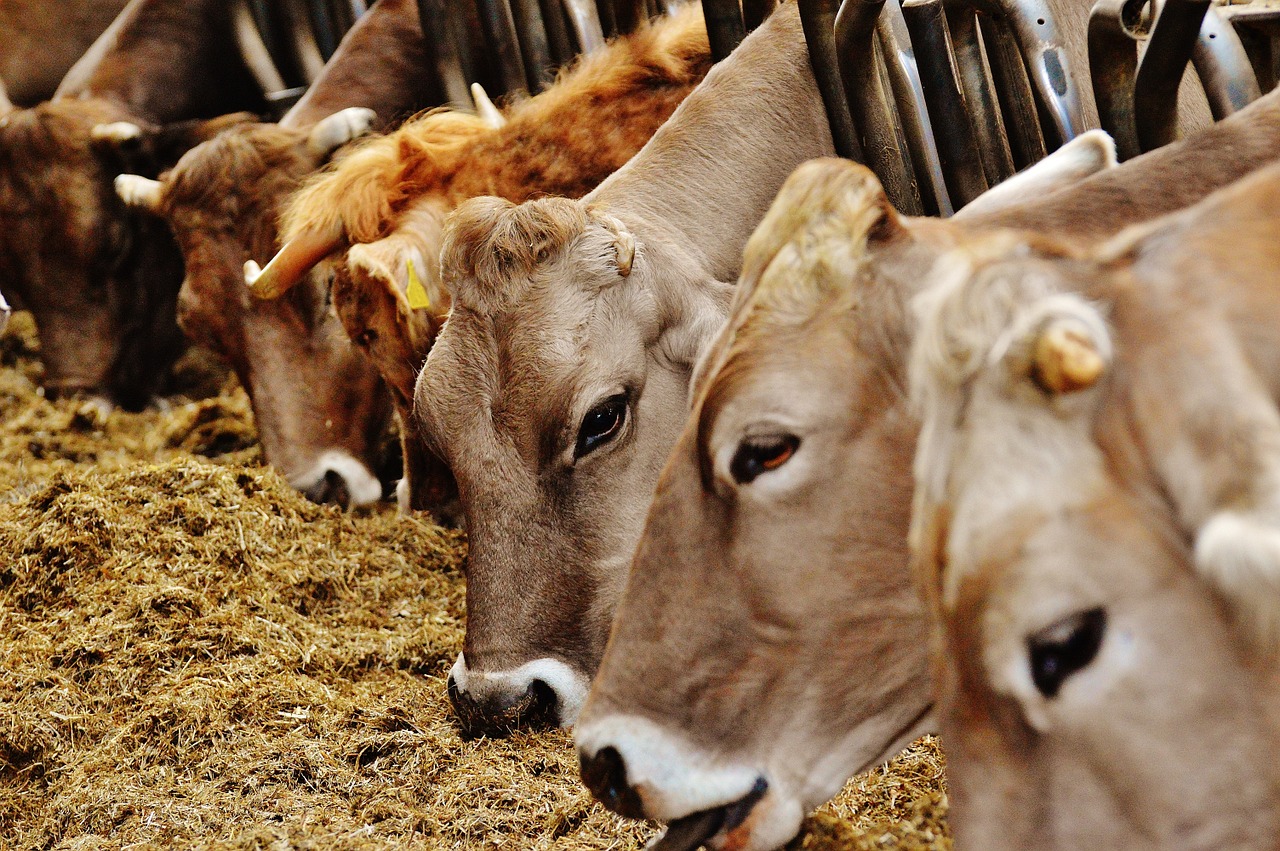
{"type": "Point", "coordinates": [1085, 155]}
{"type": "Point", "coordinates": [147, 149]}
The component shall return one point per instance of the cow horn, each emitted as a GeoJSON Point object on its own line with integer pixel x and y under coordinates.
{"type": "Point", "coordinates": [624, 244]}
{"type": "Point", "coordinates": [116, 132]}
{"type": "Point", "coordinates": [290, 264]}
{"type": "Point", "coordinates": [6, 105]}
{"type": "Point", "coordinates": [138, 191]}
{"type": "Point", "coordinates": [5, 310]}
{"type": "Point", "coordinates": [484, 107]}
{"type": "Point", "coordinates": [1066, 358]}
{"type": "Point", "coordinates": [338, 129]}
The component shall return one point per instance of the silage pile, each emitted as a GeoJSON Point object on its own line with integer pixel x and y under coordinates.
{"type": "Point", "coordinates": [193, 655]}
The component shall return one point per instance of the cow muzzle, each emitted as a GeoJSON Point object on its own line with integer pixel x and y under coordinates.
{"type": "Point", "coordinates": [541, 694]}
{"type": "Point", "coordinates": [639, 770]}
{"type": "Point", "coordinates": [339, 479]}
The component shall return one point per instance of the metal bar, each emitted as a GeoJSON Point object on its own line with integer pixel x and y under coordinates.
{"type": "Point", "coordinates": [557, 26]}
{"type": "Point", "coordinates": [724, 26]}
{"type": "Point", "coordinates": [302, 39]}
{"type": "Point", "coordinates": [499, 27]}
{"type": "Point", "coordinates": [755, 11]}
{"type": "Point", "coordinates": [322, 26]}
{"type": "Point", "coordinates": [585, 20]}
{"type": "Point", "coordinates": [818, 18]}
{"type": "Point", "coordinates": [1013, 90]}
{"type": "Point", "coordinates": [979, 94]}
{"type": "Point", "coordinates": [957, 148]}
{"type": "Point", "coordinates": [1223, 66]}
{"type": "Point", "coordinates": [908, 95]}
{"type": "Point", "coordinates": [1113, 67]}
{"type": "Point", "coordinates": [1155, 87]}
{"type": "Point", "coordinates": [436, 18]}
{"type": "Point", "coordinates": [534, 48]}
{"type": "Point", "coordinates": [629, 14]}
{"type": "Point", "coordinates": [604, 10]}
{"type": "Point", "coordinates": [870, 104]}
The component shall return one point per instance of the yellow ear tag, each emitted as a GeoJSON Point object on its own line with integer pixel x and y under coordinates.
{"type": "Point", "coordinates": [416, 292]}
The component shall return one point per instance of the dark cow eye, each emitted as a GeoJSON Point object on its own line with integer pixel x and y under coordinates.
{"type": "Point", "coordinates": [759, 455]}
{"type": "Point", "coordinates": [601, 424]}
{"type": "Point", "coordinates": [1068, 646]}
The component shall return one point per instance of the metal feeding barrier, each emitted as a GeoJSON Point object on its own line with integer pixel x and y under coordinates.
{"type": "Point", "coordinates": [945, 98]}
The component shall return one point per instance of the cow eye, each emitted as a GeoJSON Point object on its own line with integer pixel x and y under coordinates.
{"type": "Point", "coordinates": [1068, 646]}
{"type": "Point", "coordinates": [601, 424]}
{"type": "Point", "coordinates": [759, 455]}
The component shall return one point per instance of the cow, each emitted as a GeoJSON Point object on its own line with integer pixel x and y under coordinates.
{"type": "Point", "coordinates": [770, 643]}
{"type": "Point", "coordinates": [38, 47]}
{"type": "Point", "coordinates": [100, 281]}
{"type": "Point", "coordinates": [320, 408]}
{"type": "Point", "coordinates": [382, 209]}
{"type": "Point", "coordinates": [1096, 530]}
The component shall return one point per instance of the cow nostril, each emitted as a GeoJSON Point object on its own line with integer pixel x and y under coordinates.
{"type": "Point", "coordinates": [605, 774]}
{"type": "Point", "coordinates": [331, 489]}
{"type": "Point", "coordinates": [501, 713]}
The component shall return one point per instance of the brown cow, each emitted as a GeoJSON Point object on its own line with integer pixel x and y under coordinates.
{"type": "Point", "coordinates": [1085, 418]}
{"type": "Point", "coordinates": [575, 324]}
{"type": "Point", "coordinates": [102, 283]}
{"type": "Point", "coordinates": [39, 44]}
{"type": "Point", "coordinates": [780, 640]}
{"type": "Point", "coordinates": [320, 408]}
{"type": "Point", "coordinates": [386, 203]}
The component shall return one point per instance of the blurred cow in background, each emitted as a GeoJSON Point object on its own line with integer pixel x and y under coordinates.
{"type": "Point", "coordinates": [40, 41]}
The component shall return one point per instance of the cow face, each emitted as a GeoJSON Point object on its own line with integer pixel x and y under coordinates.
{"type": "Point", "coordinates": [1075, 631]}
{"type": "Point", "coordinates": [554, 393]}
{"type": "Point", "coordinates": [320, 408]}
{"type": "Point", "coordinates": [101, 281]}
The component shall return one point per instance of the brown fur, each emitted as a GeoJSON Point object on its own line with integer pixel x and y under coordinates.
{"type": "Point", "coordinates": [40, 46]}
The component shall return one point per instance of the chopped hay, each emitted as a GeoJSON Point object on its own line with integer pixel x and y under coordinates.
{"type": "Point", "coordinates": [196, 656]}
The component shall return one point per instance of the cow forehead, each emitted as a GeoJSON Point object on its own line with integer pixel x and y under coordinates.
{"type": "Point", "coordinates": [250, 160]}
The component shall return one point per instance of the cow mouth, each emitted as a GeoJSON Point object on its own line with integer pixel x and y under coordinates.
{"type": "Point", "coordinates": [694, 830]}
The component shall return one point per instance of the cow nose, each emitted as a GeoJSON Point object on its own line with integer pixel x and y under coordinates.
{"type": "Point", "coordinates": [605, 774]}
{"type": "Point", "coordinates": [330, 489]}
{"type": "Point", "coordinates": [497, 713]}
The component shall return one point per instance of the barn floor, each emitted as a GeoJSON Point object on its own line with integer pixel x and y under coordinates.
{"type": "Point", "coordinates": [193, 655]}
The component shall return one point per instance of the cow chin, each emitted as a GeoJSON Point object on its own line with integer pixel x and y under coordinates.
{"type": "Point", "coordinates": [339, 478]}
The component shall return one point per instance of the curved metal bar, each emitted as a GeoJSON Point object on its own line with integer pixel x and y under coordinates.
{"type": "Point", "coordinates": [252, 49]}
{"type": "Point", "coordinates": [979, 94]}
{"type": "Point", "coordinates": [629, 14]}
{"type": "Point", "coordinates": [539, 68]}
{"type": "Point", "coordinates": [1223, 66]}
{"type": "Point", "coordinates": [1013, 90]}
{"type": "Point", "coordinates": [724, 26]}
{"type": "Point", "coordinates": [1113, 67]}
{"type": "Point", "coordinates": [604, 10]}
{"type": "Point", "coordinates": [322, 27]}
{"type": "Point", "coordinates": [436, 18]}
{"type": "Point", "coordinates": [957, 147]}
{"type": "Point", "coordinates": [358, 8]}
{"type": "Point", "coordinates": [1155, 87]}
{"type": "Point", "coordinates": [302, 39]}
{"type": "Point", "coordinates": [755, 11]}
{"type": "Point", "coordinates": [558, 40]}
{"type": "Point", "coordinates": [499, 27]}
{"type": "Point", "coordinates": [585, 20]}
{"type": "Point", "coordinates": [818, 18]}
{"type": "Point", "coordinates": [870, 104]}
{"type": "Point", "coordinates": [908, 96]}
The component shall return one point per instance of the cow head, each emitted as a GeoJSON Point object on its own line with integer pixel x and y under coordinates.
{"type": "Point", "coordinates": [770, 640]}
{"type": "Point", "coordinates": [1094, 690]}
{"type": "Point", "coordinates": [319, 406]}
{"type": "Point", "coordinates": [100, 281]}
{"type": "Point", "coordinates": [554, 392]}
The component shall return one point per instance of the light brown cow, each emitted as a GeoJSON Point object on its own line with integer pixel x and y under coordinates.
{"type": "Point", "coordinates": [102, 283]}
{"type": "Point", "coordinates": [1097, 526]}
{"type": "Point", "coordinates": [550, 391]}
{"type": "Point", "coordinates": [39, 44]}
{"type": "Point", "coordinates": [769, 631]}
{"type": "Point", "coordinates": [320, 408]}
{"type": "Point", "coordinates": [387, 201]}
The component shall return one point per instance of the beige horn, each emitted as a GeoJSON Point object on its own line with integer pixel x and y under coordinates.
{"type": "Point", "coordinates": [290, 264]}
{"type": "Point", "coordinates": [485, 108]}
{"type": "Point", "coordinates": [338, 129]}
{"type": "Point", "coordinates": [624, 244]}
{"type": "Point", "coordinates": [138, 191]}
{"type": "Point", "coordinates": [6, 105]}
{"type": "Point", "coordinates": [1066, 358]}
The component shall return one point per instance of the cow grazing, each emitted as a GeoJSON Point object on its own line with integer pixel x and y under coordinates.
{"type": "Point", "coordinates": [551, 390]}
{"type": "Point", "coordinates": [38, 45]}
{"type": "Point", "coordinates": [1096, 528]}
{"type": "Point", "coordinates": [385, 204]}
{"type": "Point", "coordinates": [320, 408]}
{"type": "Point", "coordinates": [100, 281]}
{"type": "Point", "coordinates": [782, 515]}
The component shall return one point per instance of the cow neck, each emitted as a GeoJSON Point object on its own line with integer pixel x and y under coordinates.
{"type": "Point", "coordinates": [168, 60]}
{"type": "Point", "coordinates": [711, 172]}
{"type": "Point", "coordinates": [381, 64]}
